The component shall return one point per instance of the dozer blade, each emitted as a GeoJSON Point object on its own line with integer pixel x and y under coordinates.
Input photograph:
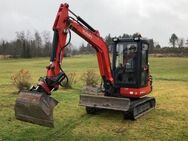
{"type": "Point", "coordinates": [105, 102]}
{"type": "Point", "coordinates": [35, 108]}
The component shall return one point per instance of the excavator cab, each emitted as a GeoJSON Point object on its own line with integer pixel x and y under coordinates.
{"type": "Point", "coordinates": [130, 62]}
{"type": "Point", "coordinates": [132, 80]}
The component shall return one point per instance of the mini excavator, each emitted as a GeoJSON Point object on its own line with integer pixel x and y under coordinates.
{"type": "Point", "coordinates": [126, 77]}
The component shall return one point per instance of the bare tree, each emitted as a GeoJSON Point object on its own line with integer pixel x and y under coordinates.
{"type": "Point", "coordinates": [38, 43]}
{"type": "Point", "coordinates": [108, 39]}
{"type": "Point", "coordinates": [47, 42]}
{"type": "Point", "coordinates": [186, 43]}
{"type": "Point", "coordinates": [21, 43]}
{"type": "Point", "coordinates": [3, 48]}
{"type": "Point", "coordinates": [151, 44]}
{"type": "Point", "coordinates": [181, 42]}
{"type": "Point", "coordinates": [173, 40]}
{"type": "Point", "coordinates": [20, 35]}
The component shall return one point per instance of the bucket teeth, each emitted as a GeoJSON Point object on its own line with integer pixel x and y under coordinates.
{"type": "Point", "coordinates": [36, 108]}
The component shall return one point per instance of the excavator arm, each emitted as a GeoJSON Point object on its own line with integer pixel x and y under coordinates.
{"type": "Point", "coordinates": [62, 26]}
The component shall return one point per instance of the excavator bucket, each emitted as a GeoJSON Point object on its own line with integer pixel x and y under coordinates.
{"type": "Point", "coordinates": [35, 108]}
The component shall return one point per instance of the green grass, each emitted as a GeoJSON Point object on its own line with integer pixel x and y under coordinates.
{"type": "Point", "coordinates": [168, 122]}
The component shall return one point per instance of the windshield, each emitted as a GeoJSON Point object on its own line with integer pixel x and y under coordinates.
{"type": "Point", "coordinates": [126, 54]}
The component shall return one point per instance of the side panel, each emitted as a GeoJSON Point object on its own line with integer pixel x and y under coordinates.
{"type": "Point", "coordinates": [136, 92]}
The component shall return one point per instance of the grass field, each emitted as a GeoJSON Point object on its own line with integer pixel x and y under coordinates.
{"type": "Point", "coordinates": [168, 122]}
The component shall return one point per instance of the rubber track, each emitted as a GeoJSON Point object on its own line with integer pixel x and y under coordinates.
{"type": "Point", "coordinates": [140, 107]}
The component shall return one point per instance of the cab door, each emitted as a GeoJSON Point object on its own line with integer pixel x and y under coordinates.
{"type": "Point", "coordinates": [144, 65]}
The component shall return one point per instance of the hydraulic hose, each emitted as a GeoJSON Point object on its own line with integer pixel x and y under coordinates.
{"type": "Point", "coordinates": [69, 40]}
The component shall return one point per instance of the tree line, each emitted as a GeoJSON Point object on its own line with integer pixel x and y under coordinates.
{"type": "Point", "coordinates": [27, 45]}
{"type": "Point", "coordinates": [178, 46]}
{"type": "Point", "coordinates": [179, 42]}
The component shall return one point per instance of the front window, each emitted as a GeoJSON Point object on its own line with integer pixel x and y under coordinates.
{"type": "Point", "coordinates": [126, 62]}
{"type": "Point", "coordinates": [126, 55]}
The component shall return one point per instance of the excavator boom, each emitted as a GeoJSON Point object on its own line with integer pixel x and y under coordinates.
{"type": "Point", "coordinates": [36, 106]}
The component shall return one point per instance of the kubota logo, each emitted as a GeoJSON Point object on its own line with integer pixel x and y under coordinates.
{"type": "Point", "coordinates": [87, 34]}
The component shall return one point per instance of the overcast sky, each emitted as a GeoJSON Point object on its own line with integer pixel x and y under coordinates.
{"type": "Point", "coordinates": [156, 19]}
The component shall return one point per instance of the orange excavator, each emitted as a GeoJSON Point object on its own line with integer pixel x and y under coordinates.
{"type": "Point", "coordinates": [126, 79]}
